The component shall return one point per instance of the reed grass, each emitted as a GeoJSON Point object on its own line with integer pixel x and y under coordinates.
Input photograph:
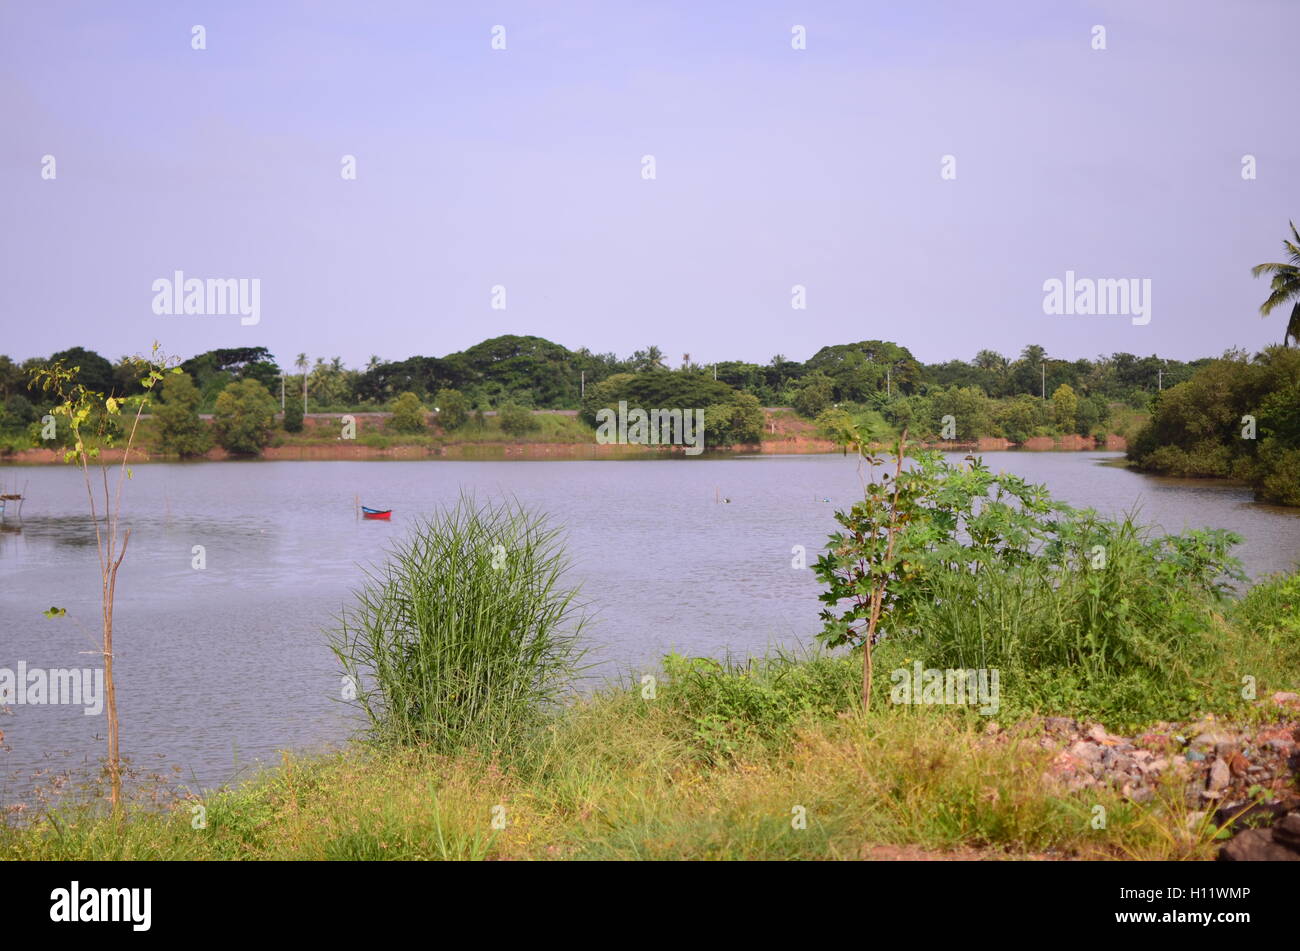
{"type": "Point", "coordinates": [469, 635]}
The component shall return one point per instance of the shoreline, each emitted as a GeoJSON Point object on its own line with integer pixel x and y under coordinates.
{"type": "Point", "coordinates": [488, 451]}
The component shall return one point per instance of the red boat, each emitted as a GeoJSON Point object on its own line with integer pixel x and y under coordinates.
{"type": "Point", "coordinates": [376, 513]}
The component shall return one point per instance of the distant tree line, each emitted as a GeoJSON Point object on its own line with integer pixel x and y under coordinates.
{"type": "Point", "coordinates": [878, 381]}
{"type": "Point", "coordinates": [538, 373]}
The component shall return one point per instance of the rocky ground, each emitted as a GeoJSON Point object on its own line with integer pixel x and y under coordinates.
{"type": "Point", "coordinates": [1241, 778]}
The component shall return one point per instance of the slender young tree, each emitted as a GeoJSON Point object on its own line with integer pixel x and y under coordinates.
{"type": "Point", "coordinates": [93, 415]}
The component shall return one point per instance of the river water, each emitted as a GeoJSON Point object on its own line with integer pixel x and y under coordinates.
{"type": "Point", "coordinates": [223, 667]}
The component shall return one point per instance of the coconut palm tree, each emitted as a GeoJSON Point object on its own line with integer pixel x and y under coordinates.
{"type": "Point", "coordinates": [651, 358]}
{"type": "Point", "coordinates": [301, 364]}
{"type": "Point", "coordinates": [1033, 354]}
{"type": "Point", "coordinates": [1285, 286]}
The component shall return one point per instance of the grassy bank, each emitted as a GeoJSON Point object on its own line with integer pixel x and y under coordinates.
{"type": "Point", "coordinates": [618, 780]}
{"type": "Point", "coordinates": [718, 763]}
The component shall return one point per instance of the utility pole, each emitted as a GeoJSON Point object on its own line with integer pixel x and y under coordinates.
{"type": "Point", "coordinates": [889, 383]}
{"type": "Point", "coordinates": [1044, 366]}
{"type": "Point", "coordinates": [282, 392]}
{"type": "Point", "coordinates": [1160, 378]}
{"type": "Point", "coordinates": [584, 384]}
{"type": "Point", "coordinates": [715, 372]}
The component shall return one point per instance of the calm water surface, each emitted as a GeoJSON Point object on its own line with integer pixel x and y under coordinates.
{"type": "Point", "coordinates": [223, 667]}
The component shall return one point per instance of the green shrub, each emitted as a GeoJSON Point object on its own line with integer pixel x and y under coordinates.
{"type": "Point", "coordinates": [516, 420]}
{"type": "Point", "coordinates": [408, 415]}
{"type": "Point", "coordinates": [1278, 475]}
{"type": "Point", "coordinates": [1271, 610]}
{"type": "Point", "coordinates": [293, 417]}
{"type": "Point", "coordinates": [835, 425]}
{"type": "Point", "coordinates": [453, 409]}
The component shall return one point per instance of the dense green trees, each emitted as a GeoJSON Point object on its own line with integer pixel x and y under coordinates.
{"type": "Point", "coordinates": [1236, 417]}
{"type": "Point", "coordinates": [180, 430]}
{"type": "Point", "coordinates": [749, 377]}
{"type": "Point", "coordinates": [538, 373]}
{"type": "Point", "coordinates": [815, 393]}
{"type": "Point", "coordinates": [332, 385]}
{"type": "Point", "coordinates": [94, 372]}
{"type": "Point", "coordinates": [730, 416]}
{"type": "Point", "coordinates": [531, 371]}
{"type": "Point", "coordinates": [857, 370]}
{"type": "Point", "coordinates": [214, 370]}
{"type": "Point", "coordinates": [658, 389]}
{"type": "Point", "coordinates": [243, 417]}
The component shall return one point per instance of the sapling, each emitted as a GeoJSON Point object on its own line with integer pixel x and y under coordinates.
{"type": "Point", "coordinates": [91, 414]}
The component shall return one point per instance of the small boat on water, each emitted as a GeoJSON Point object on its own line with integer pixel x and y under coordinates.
{"type": "Point", "coordinates": [375, 513]}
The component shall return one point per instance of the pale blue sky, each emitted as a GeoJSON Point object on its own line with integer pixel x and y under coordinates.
{"type": "Point", "coordinates": [522, 167]}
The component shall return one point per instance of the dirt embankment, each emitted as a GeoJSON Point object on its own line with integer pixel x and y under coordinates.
{"type": "Point", "coordinates": [785, 434]}
{"type": "Point", "coordinates": [351, 450]}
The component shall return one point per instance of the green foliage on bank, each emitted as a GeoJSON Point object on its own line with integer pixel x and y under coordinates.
{"type": "Point", "coordinates": [1238, 417]}
{"type": "Point", "coordinates": [408, 415]}
{"type": "Point", "coordinates": [243, 418]}
{"type": "Point", "coordinates": [179, 429]}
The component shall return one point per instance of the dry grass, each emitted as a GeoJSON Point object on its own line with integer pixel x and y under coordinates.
{"type": "Point", "coordinates": [610, 781]}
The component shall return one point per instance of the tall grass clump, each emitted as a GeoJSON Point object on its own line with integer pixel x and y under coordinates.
{"type": "Point", "coordinates": [468, 634]}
